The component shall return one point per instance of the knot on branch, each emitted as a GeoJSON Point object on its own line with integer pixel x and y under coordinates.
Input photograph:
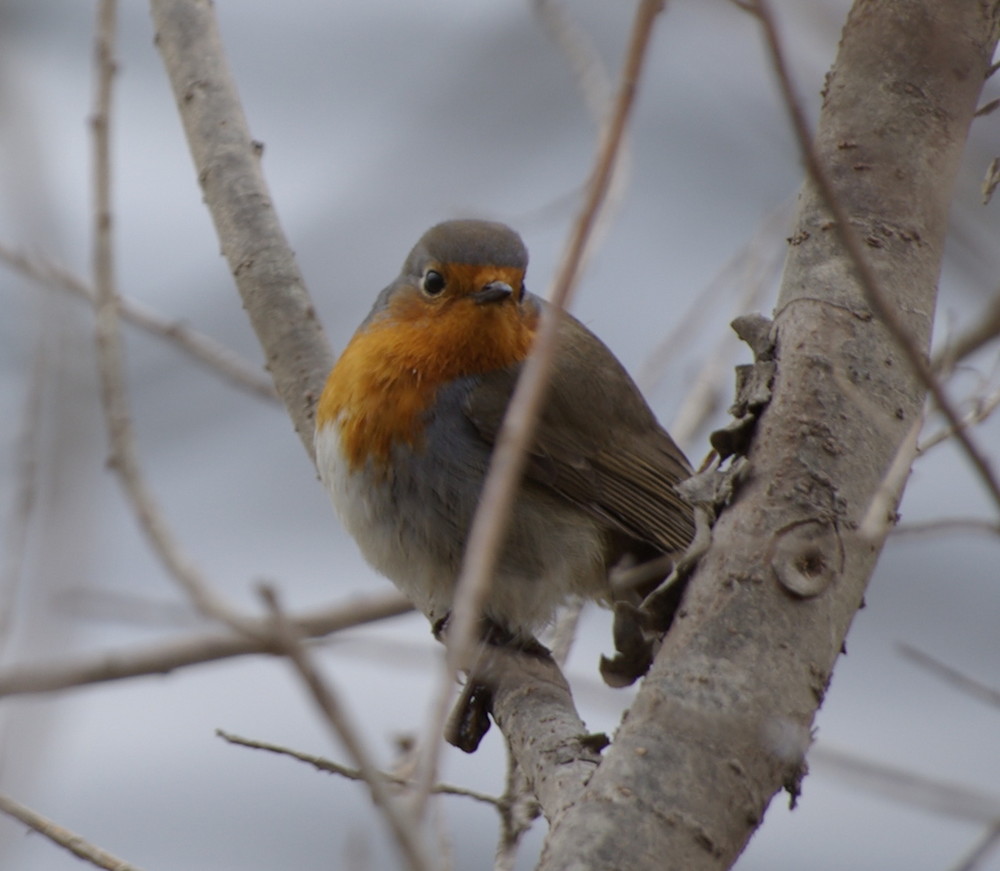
{"type": "Point", "coordinates": [806, 557]}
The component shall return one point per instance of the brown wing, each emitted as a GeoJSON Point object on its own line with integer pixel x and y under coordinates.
{"type": "Point", "coordinates": [597, 443]}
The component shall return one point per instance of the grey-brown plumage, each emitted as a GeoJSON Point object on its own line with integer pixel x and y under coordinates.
{"type": "Point", "coordinates": [410, 414]}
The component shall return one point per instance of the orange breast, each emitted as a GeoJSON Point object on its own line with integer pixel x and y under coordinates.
{"type": "Point", "coordinates": [389, 373]}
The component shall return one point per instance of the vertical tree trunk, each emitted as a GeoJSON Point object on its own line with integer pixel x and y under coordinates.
{"type": "Point", "coordinates": [724, 717]}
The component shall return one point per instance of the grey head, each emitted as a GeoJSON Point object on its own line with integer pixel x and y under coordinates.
{"type": "Point", "coordinates": [472, 242]}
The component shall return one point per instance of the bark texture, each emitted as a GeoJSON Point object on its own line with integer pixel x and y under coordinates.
{"type": "Point", "coordinates": [724, 718]}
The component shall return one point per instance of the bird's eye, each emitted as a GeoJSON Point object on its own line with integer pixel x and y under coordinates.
{"type": "Point", "coordinates": [433, 282]}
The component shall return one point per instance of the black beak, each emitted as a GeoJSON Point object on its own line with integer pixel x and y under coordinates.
{"type": "Point", "coordinates": [495, 291]}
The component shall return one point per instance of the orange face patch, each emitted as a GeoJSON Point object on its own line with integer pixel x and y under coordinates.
{"type": "Point", "coordinates": [466, 278]}
{"type": "Point", "coordinates": [391, 370]}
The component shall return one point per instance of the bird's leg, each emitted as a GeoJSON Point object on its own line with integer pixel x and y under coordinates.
{"type": "Point", "coordinates": [469, 720]}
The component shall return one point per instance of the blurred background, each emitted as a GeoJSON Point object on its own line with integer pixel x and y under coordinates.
{"type": "Point", "coordinates": [378, 120]}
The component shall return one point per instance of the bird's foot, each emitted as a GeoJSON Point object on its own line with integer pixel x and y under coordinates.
{"type": "Point", "coordinates": [469, 720]}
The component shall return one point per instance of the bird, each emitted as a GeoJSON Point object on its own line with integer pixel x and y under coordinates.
{"type": "Point", "coordinates": [410, 414]}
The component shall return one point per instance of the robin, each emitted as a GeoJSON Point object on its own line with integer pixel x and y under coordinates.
{"type": "Point", "coordinates": [410, 414]}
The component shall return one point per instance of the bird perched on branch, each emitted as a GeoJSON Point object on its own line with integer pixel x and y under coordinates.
{"type": "Point", "coordinates": [410, 414]}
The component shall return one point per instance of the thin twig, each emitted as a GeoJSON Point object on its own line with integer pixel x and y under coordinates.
{"type": "Point", "coordinates": [952, 676]}
{"type": "Point", "coordinates": [907, 787]}
{"type": "Point", "coordinates": [881, 512]}
{"type": "Point", "coordinates": [948, 524]}
{"type": "Point", "coordinates": [578, 48]}
{"type": "Point", "coordinates": [984, 329]}
{"type": "Point", "coordinates": [594, 81]}
{"type": "Point", "coordinates": [123, 458]}
{"type": "Point", "coordinates": [755, 277]}
{"type": "Point", "coordinates": [215, 356]}
{"type": "Point", "coordinates": [984, 406]}
{"type": "Point", "coordinates": [509, 456]}
{"type": "Point", "coordinates": [405, 832]}
{"type": "Point", "coordinates": [745, 269]}
{"type": "Point", "coordinates": [26, 451]}
{"type": "Point", "coordinates": [866, 275]}
{"type": "Point", "coordinates": [518, 810]}
{"type": "Point", "coordinates": [321, 763]}
{"type": "Point", "coordinates": [981, 851]}
{"type": "Point", "coordinates": [166, 657]}
{"type": "Point", "coordinates": [64, 838]}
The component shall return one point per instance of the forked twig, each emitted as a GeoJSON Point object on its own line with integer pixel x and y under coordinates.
{"type": "Point", "coordinates": [328, 765]}
{"type": "Point", "coordinates": [984, 406]}
{"type": "Point", "coordinates": [215, 356]}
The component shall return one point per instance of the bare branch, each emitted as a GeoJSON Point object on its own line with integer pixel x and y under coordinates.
{"type": "Point", "coordinates": [747, 275]}
{"type": "Point", "coordinates": [851, 240]}
{"type": "Point", "coordinates": [192, 650]}
{"type": "Point", "coordinates": [949, 524]}
{"type": "Point", "coordinates": [216, 357]}
{"type": "Point", "coordinates": [952, 676]}
{"type": "Point", "coordinates": [559, 759]}
{"type": "Point", "coordinates": [227, 162]}
{"type": "Point", "coordinates": [728, 705]}
{"type": "Point", "coordinates": [15, 539]}
{"type": "Point", "coordinates": [594, 81]}
{"type": "Point", "coordinates": [991, 180]}
{"type": "Point", "coordinates": [322, 764]}
{"type": "Point", "coordinates": [985, 328]}
{"type": "Point", "coordinates": [906, 787]}
{"type": "Point", "coordinates": [753, 274]}
{"type": "Point", "coordinates": [518, 811]}
{"type": "Point", "coordinates": [287, 642]}
{"type": "Point", "coordinates": [576, 46]}
{"type": "Point", "coordinates": [983, 407]}
{"type": "Point", "coordinates": [881, 513]}
{"type": "Point", "coordinates": [123, 457]}
{"type": "Point", "coordinates": [981, 851]}
{"type": "Point", "coordinates": [64, 838]}
{"type": "Point", "coordinates": [987, 108]}
{"type": "Point", "coordinates": [507, 461]}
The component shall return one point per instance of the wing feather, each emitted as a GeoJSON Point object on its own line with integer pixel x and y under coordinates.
{"type": "Point", "coordinates": [597, 442]}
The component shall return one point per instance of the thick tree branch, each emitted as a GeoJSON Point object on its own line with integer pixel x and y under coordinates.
{"type": "Point", "coordinates": [724, 718]}
{"type": "Point", "coordinates": [228, 165]}
{"type": "Point", "coordinates": [850, 237]}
